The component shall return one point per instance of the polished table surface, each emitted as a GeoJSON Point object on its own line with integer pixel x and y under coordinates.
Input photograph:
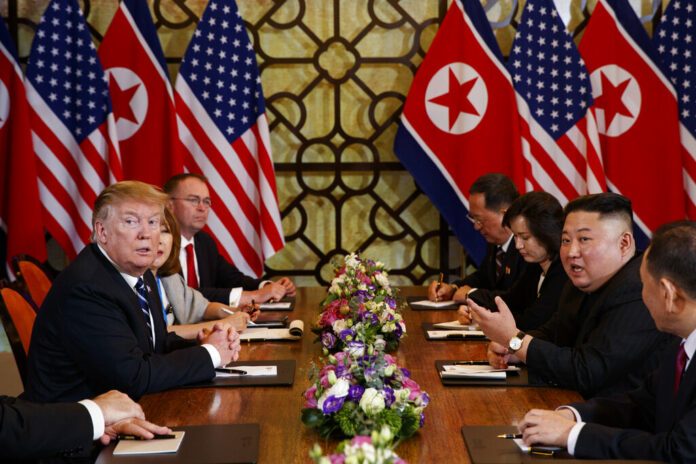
{"type": "Point", "coordinates": [284, 438]}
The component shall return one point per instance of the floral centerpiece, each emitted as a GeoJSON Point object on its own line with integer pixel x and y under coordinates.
{"type": "Point", "coordinates": [362, 389]}
{"type": "Point", "coordinates": [374, 449]}
{"type": "Point", "coordinates": [360, 306]}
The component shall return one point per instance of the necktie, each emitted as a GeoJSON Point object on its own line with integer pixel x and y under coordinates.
{"type": "Point", "coordinates": [191, 279]}
{"type": "Point", "coordinates": [144, 305]}
{"type": "Point", "coordinates": [499, 262]}
{"type": "Point", "coordinates": [679, 367]}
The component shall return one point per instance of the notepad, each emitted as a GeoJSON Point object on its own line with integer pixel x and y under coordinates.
{"type": "Point", "coordinates": [276, 305]}
{"type": "Point", "coordinates": [475, 372]}
{"type": "Point", "coordinates": [526, 449]}
{"type": "Point", "coordinates": [455, 325]}
{"type": "Point", "coordinates": [432, 304]}
{"type": "Point", "coordinates": [454, 333]}
{"type": "Point", "coordinates": [293, 332]}
{"type": "Point", "coordinates": [254, 371]}
{"type": "Point", "coordinates": [167, 445]}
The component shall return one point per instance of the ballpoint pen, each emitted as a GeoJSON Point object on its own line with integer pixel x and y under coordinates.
{"type": "Point", "coordinates": [126, 436]}
{"type": "Point", "coordinates": [229, 370]}
{"type": "Point", "coordinates": [510, 435]}
{"type": "Point", "coordinates": [439, 284]}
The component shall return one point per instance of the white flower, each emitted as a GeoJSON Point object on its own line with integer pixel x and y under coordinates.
{"type": "Point", "coordinates": [352, 261]}
{"type": "Point", "coordinates": [372, 401]}
{"type": "Point", "coordinates": [356, 350]}
{"type": "Point", "coordinates": [339, 325]}
{"type": "Point", "coordinates": [338, 390]}
{"type": "Point", "coordinates": [382, 280]}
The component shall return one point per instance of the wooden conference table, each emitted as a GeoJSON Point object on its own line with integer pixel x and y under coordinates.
{"type": "Point", "coordinates": [285, 439]}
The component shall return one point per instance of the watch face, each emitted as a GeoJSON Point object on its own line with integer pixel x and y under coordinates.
{"type": "Point", "coordinates": [515, 343]}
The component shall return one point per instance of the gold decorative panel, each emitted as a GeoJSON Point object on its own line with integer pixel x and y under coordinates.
{"type": "Point", "coordinates": [335, 75]}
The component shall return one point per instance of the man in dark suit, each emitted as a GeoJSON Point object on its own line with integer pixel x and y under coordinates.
{"type": "Point", "coordinates": [31, 430]}
{"type": "Point", "coordinates": [203, 267]}
{"type": "Point", "coordinates": [658, 420]}
{"type": "Point", "coordinates": [602, 339]}
{"type": "Point", "coordinates": [489, 197]}
{"type": "Point", "coordinates": [99, 327]}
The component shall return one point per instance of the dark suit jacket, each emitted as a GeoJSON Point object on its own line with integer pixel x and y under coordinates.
{"type": "Point", "coordinates": [30, 430]}
{"type": "Point", "coordinates": [611, 347]}
{"type": "Point", "coordinates": [484, 277]}
{"type": "Point", "coordinates": [90, 337]}
{"type": "Point", "coordinates": [531, 307]}
{"type": "Point", "coordinates": [217, 276]}
{"type": "Point", "coordinates": [647, 423]}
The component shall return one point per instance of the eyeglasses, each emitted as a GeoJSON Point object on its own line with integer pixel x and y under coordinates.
{"type": "Point", "coordinates": [196, 201]}
{"type": "Point", "coordinates": [473, 220]}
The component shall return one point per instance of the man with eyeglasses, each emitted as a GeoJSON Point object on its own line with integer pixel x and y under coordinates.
{"type": "Point", "coordinates": [489, 197]}
{"type": "Point", "coordinates": [100, 326]}
{"type": "Point", "coordinates": [203, 267]}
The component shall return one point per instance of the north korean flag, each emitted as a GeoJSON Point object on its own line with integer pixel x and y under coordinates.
{"type": "Point", "coordinates": [637, 116]}
{"type": "Point", "coordinates": [460, 120]}
{"type": "Point", "coordinates": [141, 94]}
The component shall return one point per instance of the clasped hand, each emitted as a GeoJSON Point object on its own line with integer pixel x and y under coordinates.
{"type": "Point", "coordinates": [224, 338]}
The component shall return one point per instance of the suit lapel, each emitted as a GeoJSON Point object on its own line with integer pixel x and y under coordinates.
{"type": "Point", "coordinates": [156, 311]}
{"type": "Point", "coordinates": [668, 406]}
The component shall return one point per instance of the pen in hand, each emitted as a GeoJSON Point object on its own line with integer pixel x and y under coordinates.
{"type": "Point", "coordinates": [439, 284]}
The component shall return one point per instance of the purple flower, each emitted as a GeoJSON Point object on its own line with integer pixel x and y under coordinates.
{"type": "Point", "coordinates": [341, 370]}
{"type": "Point", "coordinates": [398, 331]}
{"type": "Point", "coordinates": [355, 393]}
{"type": "Point", "coordinates": [369, 373]}
{"type": "Point", "coordinates": [422, 419]}
{"type": "Point", "coordinates": [345, 333]}
{"type": "Point", "coordinates": [424, 400]}
{"type": "Point", "coordinates": [406, 372]}
{"type": "Point", "coordinates": [388, 396]}
{"type": "Point", "coordinates": [328, 340]}
{"type": "Point", "coordinates": [391, 302]}
{"type": "Point", "coordinates": [333, 404]}
{"type": "Point", "coordinates": [371, 288]}
{"type": "Point", "coordinates": [362, 295]}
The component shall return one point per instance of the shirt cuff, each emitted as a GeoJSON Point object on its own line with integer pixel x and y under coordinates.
{"type": "Point", "coordinates": [264, 283]}
{"type": "Point", "coordinates": [214, 354]}
{"type": "Point", "coordinates": [235, 296]}
{"type": "Point", "coordinates": [471, 291]}
{"type": "Point", "coordinates": [95, 413]}
{"type": "Point", "coordinates": [573, 410]}
{"type": "Point", "coordinates": [573, 437]}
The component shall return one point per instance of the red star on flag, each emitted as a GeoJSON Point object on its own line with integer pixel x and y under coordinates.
{"type": "Point", "coordinates": [610, 100]}
{"type": "Point", "coordinates": [457, 99]}
{"type": "Point", "coordinates": [121, 99]}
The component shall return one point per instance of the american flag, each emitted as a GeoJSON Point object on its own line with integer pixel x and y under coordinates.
{"type": "Point", "coordinates": [561, 143]}
{"type": "Point", "coordinates": [674, 38]}
{"type": "Point", "coordinates": [72, 124]}
{"type": "Point", "coordinates": [20, 207]}
{"type": "Point", "coordinates": [223, 125]}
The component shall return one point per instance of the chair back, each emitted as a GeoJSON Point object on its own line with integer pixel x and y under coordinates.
{"type": "Point", "coordinates": [17, 317]}
{"type": "Point", "coordinates": [33, 277]}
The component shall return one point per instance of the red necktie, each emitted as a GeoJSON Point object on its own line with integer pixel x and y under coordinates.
{"type": "Point", "coordinates": [679, 367]}
{"type": "Point", "coordinates": [192, 280]}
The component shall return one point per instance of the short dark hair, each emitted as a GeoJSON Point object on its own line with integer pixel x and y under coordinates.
{"type": "Point", "coordinates": [607, 204]}
{"type": "Point", "coordinates": [174, 181]}
{"type": "Point", "coordinates": [672, 254]}
{"type": "Point", "coordinates": [544, 216]}
{"type": "Point", "coordinates": [498, 190]}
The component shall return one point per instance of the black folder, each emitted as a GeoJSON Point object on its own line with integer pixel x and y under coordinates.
{"type": "Point", "coordinates": [202, 444]}
{"type": "Point", "coordinates": [513, 379]}
{"type": "Point", "coordinates": [285, 377]}
{"type": "Point", "coordinates": [426, 326]}
{"type": "Point", "coordinates": [486, 448]}
{"type": "Point", "coordinates": [411, 299]}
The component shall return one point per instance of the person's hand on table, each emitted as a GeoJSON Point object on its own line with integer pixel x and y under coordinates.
{"type": "Point", "coordinates": [444, 293]}
{"type": "Point", "coordinates": [544, 427]}
{"type": "Point", "coordinates": [499, 356]}
{"type": "Point", "coordinates": [225, 339]}
{"type": "Point", "coordinates": [464, 315]}
{"type": "Point", "coordinates": [133, 426]}
{"type": "Point", "coordinates": [288, 285]}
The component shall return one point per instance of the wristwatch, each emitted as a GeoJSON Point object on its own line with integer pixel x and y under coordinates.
{"type": "Point", "coordinates": [515, 342]}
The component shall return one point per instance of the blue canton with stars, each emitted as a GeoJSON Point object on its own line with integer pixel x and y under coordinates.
{"type": "Point", "coordinates": [220, 67]}
{"type": "Point", "coordinates": [64, 68]}
{"type": "Point", "coordinates": [674, 39]}
{"type": "Point", "coordinates": [547, 69]}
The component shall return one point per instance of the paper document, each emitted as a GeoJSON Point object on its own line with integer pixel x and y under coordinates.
{"type": "Point", "coordinates": [455, 325]}
{"type": "Point", "coordinates": [475, 371]}
{"type": "Point", "coordinates": [455, 333]}
{"type": "Point", "coordinates": [250, 371]}
{"type": "Point", "coordinates": [432, 304]}
{"type": "Point", "coordinates": [293, 332]}
{"type": "Point", "coordinates": [276, 305]}
{"type": "Point", "coordinates": [539, 449]}
{"type": "Point", "coordinates": [169, 445]}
